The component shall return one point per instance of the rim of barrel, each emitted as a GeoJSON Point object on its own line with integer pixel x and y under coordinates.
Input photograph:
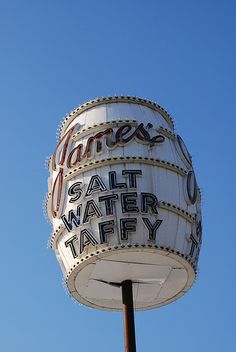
{"type": "Point", "coordinates": [114, 99]}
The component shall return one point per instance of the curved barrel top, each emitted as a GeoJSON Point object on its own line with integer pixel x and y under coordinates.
{"type": "Point", "coordinates": [114, 99]}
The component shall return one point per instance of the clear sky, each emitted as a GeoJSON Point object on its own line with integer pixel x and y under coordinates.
{"type": "Point", "coordinates": [54, 56]}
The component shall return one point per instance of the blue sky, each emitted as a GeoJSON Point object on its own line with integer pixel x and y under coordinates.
{"type": "Point", "coordinates": [54, 56]}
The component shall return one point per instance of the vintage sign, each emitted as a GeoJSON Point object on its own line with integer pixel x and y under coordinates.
{"type": "Point", "coordinates": [124, 204]}
{"type": "Point", "coordinates": [68, 155]}
{"type": "Point", "coordinates": [87, 209]}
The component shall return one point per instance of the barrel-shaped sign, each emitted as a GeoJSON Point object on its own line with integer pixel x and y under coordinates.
{"type": "Point", "coordinates": [124, 204]}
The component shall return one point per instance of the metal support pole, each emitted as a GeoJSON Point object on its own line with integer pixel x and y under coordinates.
{"type": "Point", "coordinates": [128, 316]}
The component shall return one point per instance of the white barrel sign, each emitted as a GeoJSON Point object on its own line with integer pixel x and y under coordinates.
{"type": "Point", "coordinates": [124, 204]}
